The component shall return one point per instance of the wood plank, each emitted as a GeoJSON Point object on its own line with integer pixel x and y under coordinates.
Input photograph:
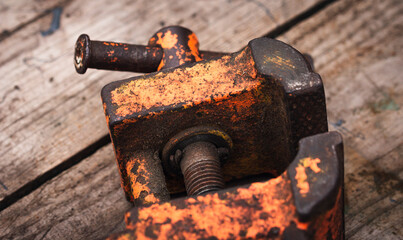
{"type": "Point", "coordinates": [85, 202]}
{"type": "Point", "coordinates": [49, 113]}
{"type": "Point", "coordinates": [386, 226]}
{"type": "Point", "coordinates": [17, 13]}
{"type": "Point", "coordinates": [358, 50]}
{"type": "Point", "coordinates": [373, 195]}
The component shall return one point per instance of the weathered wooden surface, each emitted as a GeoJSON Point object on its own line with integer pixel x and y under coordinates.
{"type": "Point", "coordinates": [18, 13]}
{"type": "Point", "coordinates": [358, 50]}
{"type": "Point", "coordinates": [49, 113]}
{"type": "Point", "coordinates": [85, 202]}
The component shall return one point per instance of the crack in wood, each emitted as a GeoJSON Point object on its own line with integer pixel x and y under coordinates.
{"type": "Point", "coordinates": [52, 173]}
{"type": "Point", "coordinates": [283, 28]}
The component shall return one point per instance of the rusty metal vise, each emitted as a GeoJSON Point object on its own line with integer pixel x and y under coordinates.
{"type": "Point", "coordinates": [201, 121]}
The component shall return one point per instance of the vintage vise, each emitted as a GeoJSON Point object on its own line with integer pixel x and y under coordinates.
{"type": "Point", "coordinates": [203, 120]}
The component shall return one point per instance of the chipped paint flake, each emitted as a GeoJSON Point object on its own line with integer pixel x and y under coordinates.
{"type": "Point", "coordinates": [135, 168]}
{"type": "Point", "coordinates": [311, 163]}
{"type": "Point", "coordinates": [167, 40]}
{"type": "Point", "coordinates": [195, 87]}
{"type": "Point", "coordinates": [301, 176]}
{"type": "Point", "coordinates": [267, 205]}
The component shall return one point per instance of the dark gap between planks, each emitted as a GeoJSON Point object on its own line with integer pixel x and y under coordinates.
{"type": "Point", "coordinates": [52, 173]}
{"type": "Point", "coordinates": [283, 28]}
{"type": "Point", "coordinates": [105, 140]}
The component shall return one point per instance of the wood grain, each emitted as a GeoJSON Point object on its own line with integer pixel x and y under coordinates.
{"type": "Point", "coordinates": [49, 113]}
{"type": "Point", "coordinates": [358, 50]}
{"type": "Point", "coordinates": [16, 14]}
{"type": "Point", "coordinates": [85, 202]}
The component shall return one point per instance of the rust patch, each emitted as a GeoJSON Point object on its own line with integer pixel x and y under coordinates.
{"type": "Point", "coordinates": [222, 216]}
{"type": "Point", "coordinates": [247, 212]}
{"type": "Point", "coordinates": [193, 44]}
{"type": "Point", "coordinates": [110, 53]}
{"type": "Point", "coordinates": [167, 40]}
{"type": "Point", "coordinates": [195, 87]}
{"type": "Point", "coordinates": [140, 186]}
{"type": "Point", "coordinates": [144, 178]}
{"type": "Point", "coordinates": [311, 163]}
{"type": "Point", "coordinates": [301, 176]}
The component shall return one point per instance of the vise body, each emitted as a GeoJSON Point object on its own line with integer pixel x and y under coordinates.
{"type": "Point", "coordinates": [200, 121]}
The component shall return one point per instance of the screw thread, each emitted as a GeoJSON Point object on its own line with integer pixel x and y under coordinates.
{"type": "Point", "coordinates": [201, 168]}
{"type": "Point", "coordinates": [203, 176]}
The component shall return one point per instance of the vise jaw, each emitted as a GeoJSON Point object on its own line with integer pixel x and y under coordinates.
{"type": "Point", "coordinates": [262, 108]}
{"type": "Point", "coordinates": [265, 97]}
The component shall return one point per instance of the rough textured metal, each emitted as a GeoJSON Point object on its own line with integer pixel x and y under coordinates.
{"type": "Point", "coordinates": [197, 154]}
{"type": "Point", "coordinates": [170, 47]}
{"type": "Point", "coordinates": [201, 170]}
{"type": "Point", "coordinates": [221, 140]}
{"type": "Point", "coordinates": [312, 199]}
{"type": "Point", "coordinates": [115, 56]}
{"type": "Point", "coordinates": [146, 178]}
{"type": "Point", "coordinates": [270, 209]}
{"type": "Point", "coordinates": [303, 89]}
{"type": "Point", "coordinates": [265, 97]}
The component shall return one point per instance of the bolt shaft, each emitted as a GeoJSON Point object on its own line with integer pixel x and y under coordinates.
{"type": "Point", "coordinates": [122, 56]}
{"type": "Point", "coordinates": [200, 166]}
{"type": "Point", "coordinates": [115, 56]}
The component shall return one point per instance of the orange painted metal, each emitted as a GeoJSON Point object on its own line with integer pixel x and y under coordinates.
{"type": "Point", "coordinates": [264, 113]}
{"type": "Point", "coordinates": [261, 210]}
{"type": "Point", "coordinates": [180, 46]}
{"type": "Point", "coordinates": [266, 98]}
{"type": "Point", "coordinates": [169, 47]}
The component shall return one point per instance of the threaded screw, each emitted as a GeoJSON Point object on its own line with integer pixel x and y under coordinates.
{"type": "Point", "coordinates": [200, 165]}
{"type": "Point", "coordinates": [198, 153]}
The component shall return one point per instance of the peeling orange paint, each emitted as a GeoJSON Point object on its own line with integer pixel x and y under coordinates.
{"type": "Point", "coordinates": [169, 40]}
{"type": "Point", "coordinates": [110, 53]}
{"type": "Point", "coordinates": [243, 213]}
{"type": "Point", "coordinates": [224, 217]}
{"type": "Point", "coordinates": [311, 163]}
{"type": "Point", "coordinates": [135, 168]}
{"type": "Point", "coordinates": [301, 176]}
{"type": "Point", "coordinates": [193, 44]}
{"type": "Point", "coordinates": [247, 213]}
{"type": "Point", "coordinates": [195, 87]}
